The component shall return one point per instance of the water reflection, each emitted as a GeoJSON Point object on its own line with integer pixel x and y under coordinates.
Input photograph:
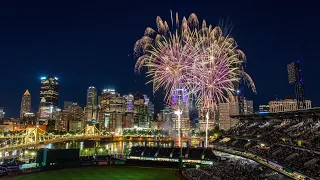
{"type": "Point", "coordinates": [113, 147]}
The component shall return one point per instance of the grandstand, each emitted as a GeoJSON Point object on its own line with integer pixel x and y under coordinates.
{"type": "Point", "coordinates": [289, 139]}
{"type": "Point", "coordinates": [232, 167]}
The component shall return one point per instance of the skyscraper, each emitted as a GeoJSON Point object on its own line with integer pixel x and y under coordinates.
{"type": "Point", "coordinates": [128, 116]}
{"type": "Point", "coordinates": [165, 119]}
{"type": "Point", "coordinates": [70, 119]}
{"type": "Point", "coordinates": [48, 110]}
{"type": "Point", "coordinates": [180, 102]}
{"type": "Point", "coordinates": [25, 104]}
{"type": "Point", "coordinates": [111, 111]}
{"type": "Point", "coordinates": [249, 107]}
{"type": "Point", "coordinates": [143, 111]}
{"type": "Point", "coordinates": [213, 119]}
{"type": "Point", "coordinates": [67, 104]}
{"type": "Point", "coordinates": [49, 91]}
{"type": "Point", "coordinates": [91, 110]}
{"type": "Point", "coordinates": [227, 109]}
{"type": "Point", "coordinates": [91, 97]}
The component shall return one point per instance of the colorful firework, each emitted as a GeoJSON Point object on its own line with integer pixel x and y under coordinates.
{"type": "Point", "coordinates": [202, 60]}
{"type": "Point", "coordinates": [144, 47]}
{"type": "Point", "coordinates": [190, 57]}
{"type": "Point", "coordinates": [169, 64]}
{"type": "Point", "coordinates": [218, 69]}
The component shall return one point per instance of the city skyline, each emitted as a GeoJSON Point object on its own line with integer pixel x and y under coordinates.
{"type": "Point", "coordinates": [92, 99]}
{"type": "Point", "coordinates": [65, 48]}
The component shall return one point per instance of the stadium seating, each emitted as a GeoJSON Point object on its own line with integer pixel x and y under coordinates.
{"type": "Point", "coordinates": [294, 144]}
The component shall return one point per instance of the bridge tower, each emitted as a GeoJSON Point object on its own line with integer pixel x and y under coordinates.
{"type": "Point", "coordinates": [90, 131]}
{"type": "Point", "coordinates": [32, 135]}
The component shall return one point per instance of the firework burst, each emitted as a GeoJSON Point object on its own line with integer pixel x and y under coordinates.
{"type": "Point", "coordinates": [203, 60]}
{"type": "Point", "coordinates": [217, 69]}
{"type": "Point", "coordinates": [144, 47]}
{"type": "Point", "coordinates": [169, 64]}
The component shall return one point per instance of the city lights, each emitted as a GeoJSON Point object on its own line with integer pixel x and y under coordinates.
{"type": "Point", "coordinates": [189, 112]}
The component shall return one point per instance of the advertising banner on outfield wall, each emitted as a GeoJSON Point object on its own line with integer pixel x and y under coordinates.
{"type": "Point", "coordinates": [103, 163]}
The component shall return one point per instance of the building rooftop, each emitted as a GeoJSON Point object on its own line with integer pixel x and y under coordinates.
{"type": "Point", "coordinates": [302, 113]}
{"type": "Point", "coordinates": [26, 93]}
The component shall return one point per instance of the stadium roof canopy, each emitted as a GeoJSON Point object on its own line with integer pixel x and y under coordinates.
{"type": "Point", "coordinates": [303, 113]}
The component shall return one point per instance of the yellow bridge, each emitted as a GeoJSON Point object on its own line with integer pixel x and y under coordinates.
{"type": "Point", "coordinates": [34, 137]}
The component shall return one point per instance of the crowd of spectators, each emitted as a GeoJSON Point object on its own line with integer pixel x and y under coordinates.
{"type": "Point", "coordinates": [231, 171]}
{"type": "Point", "coordinates": [305, 134]}
{"type": "Point", "coordinates": [293, 144]}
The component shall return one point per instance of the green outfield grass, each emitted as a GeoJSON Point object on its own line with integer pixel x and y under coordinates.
{"type": "Point", "coordinates": [103, 173]}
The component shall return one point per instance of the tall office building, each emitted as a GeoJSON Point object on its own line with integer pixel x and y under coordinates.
{"type": "Point", "coordinates": [230, 108]}
{"type": "Point", "coordinates": [117, 112]}
{"type": "Point", "coordinates": [91, 97]}
{"type": "Point", "coordinates": [67, 104]}
{"type": "Point", "coordinates": [70, 119]}
{"type": "Point", "coordinates": [25, 104]}
{"type": "Point", "coordinates": [76, 123]}
{"type": "Point", "coordinates": [233, 108]}
{"type": "Point", "coordinates": [48, 109]}
{"type": "Point", "coordinates": [111, 111]}
{"type": "Point", "coordinates": [225, 112]}
{"type": "Point", "coordinates": [91, 114]}
{"type": "Point", "coordinates": [180, 102]}
{"type": "Point", "coordinates": [49, 91]}
{"type": "Point", "coordinates": [63, 123]}
{"type": "Point", "coordinates": [213, 119]}
{"type": "Point", "coordinates": [247, 106]}
{"type": "Point", "coordinates": [128, 118]}
{"type": "Point", "coordinates": [129, 99]}
{"type": "Point", "coordinates": [143, 111]}
{"type": "Point", "coordinates": [91, 109]}
{"type": "Point", "coordinates": [165, 119]}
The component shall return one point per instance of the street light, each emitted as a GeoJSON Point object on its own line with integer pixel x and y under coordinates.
{"type": "Point", "coordinates": [178, 113]}
{"type": "Point", "coordinates": [207, 124]}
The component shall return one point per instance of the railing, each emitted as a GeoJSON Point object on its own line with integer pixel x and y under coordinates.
{"type": "Point", "coordinates": [47, 139]}
{"type": "Point", "coordinates": [52, 139]}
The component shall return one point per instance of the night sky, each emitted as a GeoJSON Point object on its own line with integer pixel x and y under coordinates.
{"type": "Point", "coordinates": [90, 43]}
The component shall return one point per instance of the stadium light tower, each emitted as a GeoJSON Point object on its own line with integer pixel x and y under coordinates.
{"type": "Point", "coordinates": [178, 113]}
{"type": "Point", "coordinates": [180, 103]}
{"type": "Point", "coordinates": [295, 77]}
